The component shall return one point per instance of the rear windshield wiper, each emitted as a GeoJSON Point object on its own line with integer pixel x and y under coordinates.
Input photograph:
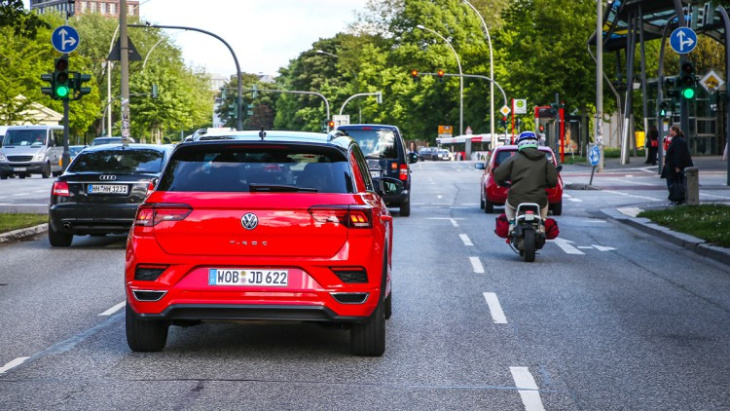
{"type": "Point", "coordinates": [278, 188]}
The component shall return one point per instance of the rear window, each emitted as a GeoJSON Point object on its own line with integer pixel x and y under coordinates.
{"type": "Point", "coordinates": [247, 169]}
{"type": "Point", "coordinates": [375, 142]}
{"type": "Point", "coordinates": [118, 161]}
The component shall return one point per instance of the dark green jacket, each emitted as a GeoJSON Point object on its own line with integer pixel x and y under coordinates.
{"type": "Point", "coordinates": [530, 173]}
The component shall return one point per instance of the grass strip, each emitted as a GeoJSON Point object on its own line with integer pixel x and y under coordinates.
{"type": "Point", "coordinates": [710, 222]}
{"type": "Point", "coordinates": [10, 222]}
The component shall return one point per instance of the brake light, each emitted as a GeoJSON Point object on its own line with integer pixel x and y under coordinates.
{"type": "Point", "coordinates": [149, 215]}
{"type": "Point", "coordinates": [349, 216]}
{"type": "Point", "coordinates": [60, 188]}
{"type": "Point", "coordinates": [403, 174]}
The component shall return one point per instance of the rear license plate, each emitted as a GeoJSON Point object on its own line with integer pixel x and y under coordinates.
{"type": "Point", "coordinates": [19, 169]}
{"type": "Point", "coordinates": [107, 189]}
{"type": "Point", "coordinates": [248, 277]}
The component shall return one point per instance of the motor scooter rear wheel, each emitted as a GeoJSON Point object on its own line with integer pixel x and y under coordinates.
{"type": "Point", "coordinates": [529, 245]}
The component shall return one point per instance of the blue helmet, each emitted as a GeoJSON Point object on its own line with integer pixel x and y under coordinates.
{"type": "Point", "coordinates": [527, 139]}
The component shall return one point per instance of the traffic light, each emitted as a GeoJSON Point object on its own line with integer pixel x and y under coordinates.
{"type": "Point", "coordinates": [671, 85]}
{"type": "Point", "coordinates": [542, 128]}
{"type": "Point", "coordinates": [414, 75]}
{"type": "Point", "coordinates": [440, 73]}
{"type": "Point", "coordinates": [331, 124]}
{"type": "Point", "coordinates": [664, 108]}
{"type": "Point", "coordinates": [78, 81]}
{"type": "Point", "coordinates": [503, 122]}
{"type": "Point", "coordinates": [61, 87]}
{"type": "Point", "coordinates": [687, 80]}
{"type": "Point", "coordinates": [47, 77]}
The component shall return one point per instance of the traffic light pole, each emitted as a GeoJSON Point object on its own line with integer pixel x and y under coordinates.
{"type": "Point", "coordinates": [66, 159]}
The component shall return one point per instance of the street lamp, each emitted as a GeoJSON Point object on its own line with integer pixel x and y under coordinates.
{"type": "Point", "coordinates": [461, 77]}
{"type": "Point", "coordinates": [491, 67]}
{"type": "Point", "coordinates": [326, 53]}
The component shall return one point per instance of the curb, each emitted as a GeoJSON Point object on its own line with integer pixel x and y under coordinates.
{"type": "Point", "coordinates": [694, 244]}
{"type": "Point", "coordinates": [23, 234]}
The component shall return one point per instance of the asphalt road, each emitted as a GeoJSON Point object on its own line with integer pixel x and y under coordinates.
{"type": "Point", "coordinates": [607, 318]}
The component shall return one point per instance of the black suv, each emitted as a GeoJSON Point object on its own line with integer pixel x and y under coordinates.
{"type": "Point", "coordinates": [385, 152]}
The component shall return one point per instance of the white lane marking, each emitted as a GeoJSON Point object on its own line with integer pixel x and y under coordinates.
{"type": "Point", "coordinates": [631, 195]}
{"type": "Point", "coordinates": [576, 200]}
{"type": "Point", "coordinates": [465, 239]}
{"type": "Point", "coordinates": [567, 247]}
{"type": "Point", "coordinates": [439, 196]}
{"type": "Point", "coordinates": [714, 196]}
{"type": "Point", "coordinates": [585, 247]}
{"type": "Point", "coordinates": [41, 191]}
{"type": "Point", "coordinates": [527, 388]}
{"type": "Point", "coordinates": [476, 265]}
{"type": "Point", "coordinates": [453, 220]}
{"type": "Point", "coordinates": [113, 309]}
{"type": "Point", "coordinates": [603, 248]}
{"type": "Point", "coordinates": [630, 211]}
{"type": "Point", "coordinates": [12, 364]}
{"type": "Point", "coordinates": [20, 194]}
{"type": "Point", "coordinates": [494, 308]}
{"type": "Point", "coordinates": [594, 221]}
{"type": "Point", "coordinates": [633, 182]}
{"type": "Point", "coordinates": [567, 195]}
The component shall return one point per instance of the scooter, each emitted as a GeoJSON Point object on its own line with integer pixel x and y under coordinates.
{"type": "Point", "coordinates": [526, 236]}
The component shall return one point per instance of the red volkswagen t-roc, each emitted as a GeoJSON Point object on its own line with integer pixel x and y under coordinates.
{"type": "Point", "coordinates": [275, 226]}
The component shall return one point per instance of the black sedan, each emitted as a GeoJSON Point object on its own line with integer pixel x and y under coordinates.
{"type": "Point", "coordinates": [101, 189]}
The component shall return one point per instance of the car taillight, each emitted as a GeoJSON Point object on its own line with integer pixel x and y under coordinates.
{"type": "Point", "coordinates": [349, 216]}
{"type": "Point", "coordinates": [403, 174]}
{"type": "Point", "coordinates": [149, 215]}
{"type": "Point", "coordinates": [150, 187]}
{"type": "Point", "coordinates": [60, 188]}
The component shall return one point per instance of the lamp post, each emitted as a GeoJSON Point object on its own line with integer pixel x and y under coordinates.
{"type": "Point", "coordinates": [461, 77]}
{"type": "Point", "coordinates": [326, 53]}
{"type": "Point", "coordinates": [491, 66]}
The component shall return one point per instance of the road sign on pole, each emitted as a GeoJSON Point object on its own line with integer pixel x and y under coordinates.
{"type": "Point", "coordinates": [683, 40]}
{"type": "Point", "coordinates": [65, 39]}
{"type": "Point", "coordinates": [505, 110]}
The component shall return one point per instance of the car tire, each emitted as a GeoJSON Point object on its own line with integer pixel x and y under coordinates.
{"type": "Point", "coordinates": [59, 239]}
{"type": "Point", "coordinates": [488, 207]}
{"type": "Point", "coordinates": [368, 339]}
{"type": "Point", "coordinates": [145, 336]}
{"type": "Point", "coordinates": [56, 174]}
{"type": "Point", "coordinates": [557, 208]}
{"type": "Point", "coordinates": [3, 176]}
{"type": "Point", "coordinates": [389, 305]}
{"type": "Point", "coordinates": [46, 172]}
{"type": "Point", "coordinates": [482, 203]}
{"type": "Point", "coordinates": [21, 175]}
{"type": "Point", "coordinates": [405, 207]}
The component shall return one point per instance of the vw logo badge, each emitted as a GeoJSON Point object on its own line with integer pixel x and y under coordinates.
{"type": "Point", "coordinates": [107, 177]}
{"type": "Point", "coordinates": [249, 221]}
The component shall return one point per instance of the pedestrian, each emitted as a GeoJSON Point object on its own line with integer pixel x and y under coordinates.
{"type": "Point", "coordinates": [652, 146]}
{"type": "Point", "coordinates": [678, 158]}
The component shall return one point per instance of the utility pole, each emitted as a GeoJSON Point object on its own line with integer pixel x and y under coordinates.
{"type": "Point", "coordinates": [599, 82]}
{"type": "Point", "coordinates": [124, 63]}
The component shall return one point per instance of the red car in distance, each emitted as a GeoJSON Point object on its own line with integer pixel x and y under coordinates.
{"type": "Point", "coordinates": [269, 226]}
{"type": "Point", "coordinates": [492, 194]}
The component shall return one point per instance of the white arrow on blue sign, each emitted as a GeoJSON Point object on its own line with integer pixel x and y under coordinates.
{"type": "Point", "coordinates": [683, 40]}
{"type": "Point", "coordinates": [595, 155]}
{"type": "Point", "coordinates": [65, 39]}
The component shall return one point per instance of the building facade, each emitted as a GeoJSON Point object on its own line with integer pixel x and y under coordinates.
{"type": "Point", "coordinates": [104, 7]}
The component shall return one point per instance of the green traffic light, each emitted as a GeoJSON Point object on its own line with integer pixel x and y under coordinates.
{"type": "Point", "coordinates": [61, 91]}
{"type": "Point", "coordinates": [688, 93]}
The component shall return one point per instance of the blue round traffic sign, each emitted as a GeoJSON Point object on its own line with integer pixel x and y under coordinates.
{"type": "Point", "coordinates": [595, 155]}
{"type": "Point", "coordinates": [683, 40]}
{"type": "Point", "coordinates": [65, 39]}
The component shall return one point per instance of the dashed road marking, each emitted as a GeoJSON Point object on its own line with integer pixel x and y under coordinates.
{"type": "Point", "coordinates": [576, 200]}
{"type": "Point", "coordinates": [526, 386]}
{"type": "Point", "coordinates": [476, 265]}
{"type": "Point", "coordinates": [567, 247]}
{"type": "Point", "coordinates": [631, 195]}
{"type": "Point", "coordinates": [113, 309]}
{"type": "Point", "coordinates": [495, 308]}
{"type": "Point", "coordinates": [12, 364]}
{"type": "Point", "coordinates": [465, 239]}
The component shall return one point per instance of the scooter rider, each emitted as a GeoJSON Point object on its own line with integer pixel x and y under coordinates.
{"type": "Point", "coordinates": [530, 174]}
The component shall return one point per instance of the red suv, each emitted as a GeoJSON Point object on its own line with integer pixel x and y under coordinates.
{"type": "Point", "coordinates": [492, 194]}
{"type": "Point", "coordinates": [277, 226]}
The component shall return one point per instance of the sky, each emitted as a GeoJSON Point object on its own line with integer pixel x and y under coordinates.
{"type": "Point", "coordinates": [264, 34]}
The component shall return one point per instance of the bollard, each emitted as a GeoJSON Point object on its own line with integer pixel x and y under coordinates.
{"type": "Point", "coordinates": [692, 194]}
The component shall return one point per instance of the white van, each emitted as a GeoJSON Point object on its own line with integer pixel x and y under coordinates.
{"type": "Point", "coordinates": [30, 150]}
{"type": "Point", "coordinates": [2, 134]}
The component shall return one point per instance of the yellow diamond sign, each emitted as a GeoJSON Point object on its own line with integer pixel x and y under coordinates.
{"type": "Point", "coordinates": [504, 110]}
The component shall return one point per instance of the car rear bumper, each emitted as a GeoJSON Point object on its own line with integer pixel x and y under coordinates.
{"type": "Point", "coordinates": [91, 218]}
{"type": "Point", "coordinates": [252, 312]}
